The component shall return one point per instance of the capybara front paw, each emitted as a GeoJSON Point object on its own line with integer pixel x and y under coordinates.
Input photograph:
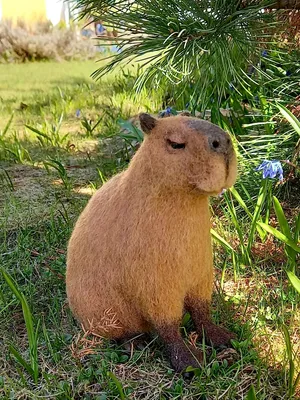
{"type": "Point", "coordinates": [219, 337]}
{"type": "Point", "coordinates": [182, 357]}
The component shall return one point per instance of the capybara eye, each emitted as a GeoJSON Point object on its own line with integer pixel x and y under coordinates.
{"type": "Point", "coordinates": [176, 145]}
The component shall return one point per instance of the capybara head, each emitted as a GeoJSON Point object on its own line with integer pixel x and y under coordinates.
{"type": "Point", "coordinates": [188, 154]}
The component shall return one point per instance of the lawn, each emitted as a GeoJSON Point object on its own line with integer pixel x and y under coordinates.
{"type": "Point", "coordinates": [61, 144]}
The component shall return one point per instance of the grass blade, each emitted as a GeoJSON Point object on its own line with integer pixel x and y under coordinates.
{"type": "Point", "coordinates": [286, 230]}
{"type": "Point", "coordinates": [295, 281]}
{"type": "Point", "coordinates": [240, 201]}
{"type": "Point", "coordinates": [251, 394]}
{"type": "Point", "coordinates": [6, 128]}
{"type": "Point", "coordinates": [40, 133]}
{"type": "Point", "coordinates": [297, 229]}
{"type": "Point", "coordinates": [31, 333]}
{"type": "Point", "coordinates": [21, 360]}
{"type": "Point", "coordinates": [289, 351]}
{"type": "Point", "coordinates": [12, 285]}
{"type": "Point", "coordinates": [279, 235]}
{"type": "Point", "coordinates": [281, 218]}
{"type": "Point", "coordinates": [290, 118]}
{"type": "Point", "coordinates": [118, 385]}
{"type": "Point", "coordinates": [257, 211]}
{"type": "Point", "coordinates": [222, 241]}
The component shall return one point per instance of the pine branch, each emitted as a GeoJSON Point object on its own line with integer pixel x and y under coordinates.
{"type": "Point", "coordinates": [207, 43]}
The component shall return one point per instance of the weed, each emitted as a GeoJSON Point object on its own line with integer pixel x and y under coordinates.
{"type": "Point", "coordinates": [58, 166]}
{"type": "Point", "coordinates": [89, 125]}
{"type": "Point", "coordinates": [50, 134]}
{"type": "Point", "coordinates": [13, 150]}
{"type": "Point", "coordinates": [32, 334]}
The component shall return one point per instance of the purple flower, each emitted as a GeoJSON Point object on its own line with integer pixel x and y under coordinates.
{"type": "Point", "coordinates": [271, 169]}
{"type": "Point", "coordinates": [78, 112]}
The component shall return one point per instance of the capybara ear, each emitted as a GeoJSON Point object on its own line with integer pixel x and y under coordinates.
{"type": "Point", "coordinates": [147, 122]}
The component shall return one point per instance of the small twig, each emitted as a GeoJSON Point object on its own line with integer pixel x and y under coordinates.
{"type": "Point", "coordinates": [290, 163]}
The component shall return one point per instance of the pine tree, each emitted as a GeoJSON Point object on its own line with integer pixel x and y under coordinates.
{"type": "Point", "coordinates": [206, 44]}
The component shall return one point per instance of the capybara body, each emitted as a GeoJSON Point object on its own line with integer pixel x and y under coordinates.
{"type": "Point", "coordinates": [140, 252]}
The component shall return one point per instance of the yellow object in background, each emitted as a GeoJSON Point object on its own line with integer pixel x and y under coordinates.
{"type": "Point", "coordinates": [28, 11]}
{"type": "Point", "coordinates": [35, 11]}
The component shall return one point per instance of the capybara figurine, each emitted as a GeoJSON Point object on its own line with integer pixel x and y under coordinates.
{"type": "Point", "coordinates": [141, 253]}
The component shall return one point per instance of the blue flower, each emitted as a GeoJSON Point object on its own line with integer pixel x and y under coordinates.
{"type": "Point", "coordinates": [264, 53]}
{"type": "Point", "coordinates": [167, 112]}
{"type": "Point", "coordinates": [78, 112]}
{"type": "Point", "coordinates": [271, 169]}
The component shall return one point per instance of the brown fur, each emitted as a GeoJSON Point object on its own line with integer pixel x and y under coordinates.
{"type": "Point", "coordinates": [142, 247]}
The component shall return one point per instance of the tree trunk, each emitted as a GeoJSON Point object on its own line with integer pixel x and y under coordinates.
{"type": "Point", "coordinates": [279, 4]}
{"type": "Point", "coordinates": [287, 4]}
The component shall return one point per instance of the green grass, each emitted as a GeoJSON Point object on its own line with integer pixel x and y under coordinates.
{"type": "Point", "coordinates": [44, 185]}
{"type": "Point", "coordinates": [20, 81]}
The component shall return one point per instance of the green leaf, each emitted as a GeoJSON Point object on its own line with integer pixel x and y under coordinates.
{"type": "Point", "coordinates": [245, 208]}
{"type": "Point", "coordinates": [7, 125]}
{"type": "Point", "coordinates": [281, 218]}
{"type": "Point", "coordinates": [251, 394]}
{"type": "Point", "coordinates": [290, 118]}
{"type": "Point", "coordinates": [40, 133]}
{"type": "Point", "coordinates": [285, 228]}
{"type": "Point", "coordinates": [280, 236]}
{"type": "Point", "coordinates": [289, 351]}
{"type": "Point", "coordinates": [260, 201]}
{"type": "Point", "coordinates": [118, 385]}
{"type": "Point", "coordinates": [297, 229]}
{"type": "Point", "coordinates": [31, 334]}
{"type": "Point", "coordinates": [258, 123]}
{"type": "Point", "coordinates": [294, 280]}
{"type": "Point", "coordinates": [21, 360]}
{"type": "Point", "coordinates": [240, 201]}
{"type": "Point", "coordinates": [134, 132]}
{"type": "Point", "coordinates": [12, 285]}
{"type": "Point", "coordinates": [220, 239]}
{"type": "Point", "coordinates": [287, 343]}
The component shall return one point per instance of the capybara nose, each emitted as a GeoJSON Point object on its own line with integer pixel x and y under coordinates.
{"type": "Point", "coordinates": [220, 142]}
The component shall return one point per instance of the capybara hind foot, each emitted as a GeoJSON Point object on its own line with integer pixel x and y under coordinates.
{"type": "Point", "coordinates": [219, 337]}
{"type": "Point", "coordinates": [200, 313]}
{"type": "Point", "coordinates": [180, 355]}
